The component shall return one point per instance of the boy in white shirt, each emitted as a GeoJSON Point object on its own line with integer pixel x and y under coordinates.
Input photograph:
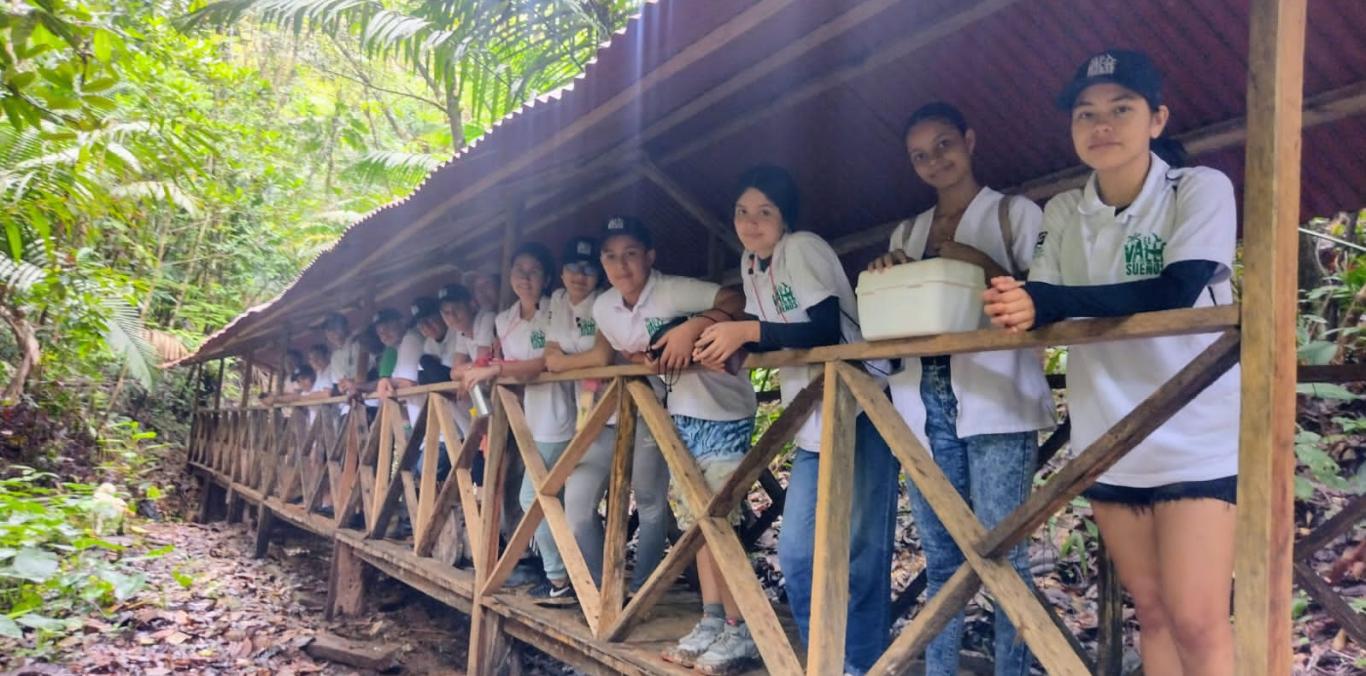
{"type": "Point", "coordinates": [713, 410]}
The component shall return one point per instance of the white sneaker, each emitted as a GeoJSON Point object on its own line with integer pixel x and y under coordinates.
{"type": "Point", "coordinates": [707, 631]}
{"type": "Point", "coordinates": [733, 653]}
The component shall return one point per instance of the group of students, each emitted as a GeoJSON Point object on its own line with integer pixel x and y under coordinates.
{"type": "Point", "coordinates": [1144, 234]}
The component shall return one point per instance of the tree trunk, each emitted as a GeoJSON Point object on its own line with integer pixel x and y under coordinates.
{"type": "Point", "coordinates": [28, 343]}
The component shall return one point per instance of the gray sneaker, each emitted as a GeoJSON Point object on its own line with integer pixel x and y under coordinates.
{"type": "Point", "coordinates": [733, 653]}
{"type": "Point", "coordinates": [702, 636]}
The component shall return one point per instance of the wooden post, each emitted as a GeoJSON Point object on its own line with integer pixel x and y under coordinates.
{"type": "Point", "coordinates": [1266, 463]}
{"type": "Point", "coordinates": [612, 593]}
{"type": "Point", "coordinates": [218, 393]}
{"type": "Point", "coordinates": [512, 234]}
{"type": "Point", "coordinates": [486, 631]}
{"type": "Point", "coordinates": [193, 447]}
{"type": "Point", "coordinates": [834, 505]}
{"type": "Point", "coordinates": [265, 523]}
{"type": "Point", "coordinates": [247, 365]}
{"type": "Point", "coordinates": [1109, 617]}
{"type": "Point", "coordinates": [345, 583]}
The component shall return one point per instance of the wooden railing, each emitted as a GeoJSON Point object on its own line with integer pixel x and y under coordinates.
{"type": "Point", "coordinates": [347, 475]}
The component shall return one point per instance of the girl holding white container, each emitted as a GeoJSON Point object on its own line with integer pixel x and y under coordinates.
{"type": "Point", "coordinates": [796, 290]}
{"type": "Point", "coordinates": [979, 414]}
{"type": "Point", "coordinates": [1144, 236]}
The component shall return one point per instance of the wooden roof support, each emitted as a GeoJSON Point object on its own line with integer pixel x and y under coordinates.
{"type": "Point", "coordinates": [1266, 465]}
{"type": "Point", "coordinates": [690, 204]}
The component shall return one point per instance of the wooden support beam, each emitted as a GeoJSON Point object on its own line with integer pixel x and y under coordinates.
{"type": "Point", "coordinates": [1351, 621]}
{"type": "Point", "coordinates": [486, 635]}
{"type": "Point", "coordinates": [931, 619]}
{"type": "Point", "coordinates": [265, 523]}
{"type": "Point", "coordinates": [613, 588]}
{"type": "Point", "coordinates": [1109, 618]}
{"type": "Point", "coordinates": [834, 512]}
{"type": "Point", "coordinates": [345, 582]}
{"type": "Point", "coordinates": [1266, 463]}
{"type": "Point", "coordinates": [690, 204]}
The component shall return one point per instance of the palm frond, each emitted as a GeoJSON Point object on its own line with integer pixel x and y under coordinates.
{"type": "Point", "coordinates": [123, 333]}
{"type": "Point", "coordinates": [158, 191]}
{"type": "Point", "coordinates": [394, 167]}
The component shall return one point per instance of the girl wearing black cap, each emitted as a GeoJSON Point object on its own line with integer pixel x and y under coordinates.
{"type": "Point", "coordinates": [1144, 235]}
{"type": "Point", "coordinates": [549, 407]}
{"type": "Point", "coordinates": [796, 290]}
{"type": "Point", "coordinates": [979, 414]}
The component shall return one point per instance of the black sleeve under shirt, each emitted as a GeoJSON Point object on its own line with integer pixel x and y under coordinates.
{"type": "Point", "coordinates": [1179, 285]}
{"type": "Point", "coordinates": [822, 329]}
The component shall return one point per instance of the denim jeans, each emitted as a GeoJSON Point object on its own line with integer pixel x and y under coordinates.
{"type": "Point", "coordinates": [870, 543]}
{"type": "Point", "coordinates": [550, 554]}
{"type": "Point", "coordinates": [993, 472]}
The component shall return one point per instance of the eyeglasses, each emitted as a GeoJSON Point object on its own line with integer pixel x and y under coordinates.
{"type": "Point", "coordinates": [581, 268]}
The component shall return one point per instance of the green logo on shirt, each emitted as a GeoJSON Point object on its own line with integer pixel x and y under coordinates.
{"type": "Point", "coordinates": [652, 324]}
{"type": "Point", "coordinates": [784, 299]}
{"type": "Point", "coordinates": [537, 339]}
{"type": "Point", "coordinates": [587, 327]}
{"type": "Point", "coordinates": [1143, 254]}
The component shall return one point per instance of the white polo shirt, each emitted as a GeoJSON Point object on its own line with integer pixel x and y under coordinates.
{"type": "Point", "coordinates": [345, 360]}
{"type": "Point", "coordinates": [802, 272]}
{"type": "Point", "coordinates": [706, 395]}
{"type": "Point", "coordinates": [482, 335]}
{"type": "Point", "coordinates": [572, 326]}
{"type": "Point", "coordinates": [998, 392]}
{"type": "Point", "coordinates": [549, 407]}
{"type": "Point", "coordinates": [1180, 215]}
{"type": "Point", "coordinates": [406, 367]}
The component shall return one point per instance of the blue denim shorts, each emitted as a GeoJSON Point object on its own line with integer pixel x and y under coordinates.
{"type": "Point", "coordinates": [1223, 488]}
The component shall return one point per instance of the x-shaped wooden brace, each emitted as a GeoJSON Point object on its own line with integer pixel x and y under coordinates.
{"type": "Point", "coordinates": [386, 499]}
{"type": "Point", "coordinates": [434, 506]}
{"type": "Point", "coordinates": [547, 505]}
{"type": "Point", "coordinates": [986, 553]}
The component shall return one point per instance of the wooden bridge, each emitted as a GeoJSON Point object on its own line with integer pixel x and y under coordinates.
{"type": "Point", "coordinates": [696, 85]}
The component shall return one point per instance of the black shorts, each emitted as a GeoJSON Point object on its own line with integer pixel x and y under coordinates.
{"type": "Point", "coordinates": [1225, 489]}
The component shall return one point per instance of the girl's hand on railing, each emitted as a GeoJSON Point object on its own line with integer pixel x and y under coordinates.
{"type": "Point", "coordinates": [677, 345]}
{"type": "Point", "coordinates": [479, 374]}
{"type": "Point", "coordinates": [1008, 305]}
{"type": "Point", "coordinates": [889, 259]}
{"type": "Point", "coordinates": [719, 341]}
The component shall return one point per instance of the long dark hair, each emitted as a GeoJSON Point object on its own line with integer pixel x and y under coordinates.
{"type": "Point", "coordinates": [777, 185]}
{"type": "Point", "coordinates": [941, 111]}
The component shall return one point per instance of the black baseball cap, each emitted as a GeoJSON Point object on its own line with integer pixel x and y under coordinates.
{"type": "Point", "coordinates": [1126, 68]}
{"type": "Point", "coordinates": [629, 226]}
{"type": "Point", "coordinates": [580, 250]}
{"type": "Point", "coordinates": [424, 307]}
{"type": "Point", "coordinates": [388, 314]}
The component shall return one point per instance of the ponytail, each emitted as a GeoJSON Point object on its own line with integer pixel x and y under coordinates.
{"type": "Point", "coordinates": [1172, 151]}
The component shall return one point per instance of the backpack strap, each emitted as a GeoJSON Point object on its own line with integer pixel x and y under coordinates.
{"type": "Point", "coordinates": [1008, 234]}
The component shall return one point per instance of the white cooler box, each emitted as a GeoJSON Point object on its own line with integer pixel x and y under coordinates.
{"type": "Point", "coordinates": [939, 295]}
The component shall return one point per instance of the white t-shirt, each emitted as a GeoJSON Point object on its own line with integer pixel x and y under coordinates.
{"type": "Point", "coordinates": [345, 360]}
{"type": "Point", "coordinates": [706, 395]}
{"type": "Point", "coordinates": [572, 326]}
{"type": "Point", "coordinates": [1180, 215]}
{"type": "Point", "coordinates": [482, 335]}
{"type": "Point", "coordinates": [406, 367]}
{"type": "Point", "coordinates": [998, 392]}
{"type": "Point", "coordinates": [803, 271]}
{"type": "Point", "coordinates": [549, 407]}
{"type": "Point", "coordinates": [443, 349]}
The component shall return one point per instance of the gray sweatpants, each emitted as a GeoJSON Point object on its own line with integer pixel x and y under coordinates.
{"type": "Point", "coordinates": [650, 484]}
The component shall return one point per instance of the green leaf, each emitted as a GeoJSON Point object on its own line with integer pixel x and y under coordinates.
{"type": "Point", "coordinates": [125, 586]}
{"type": "Point", "coordinates": [41, 622]}
{"type": "Point", "coordinates": [104, 45]}
{"type": "Point", "coordinates": [35, 564]}
{"type": "Point", "coordinates": [184, 580]}
{"type": "Point", "coordinates": [10, 629]}
{"type": "Point", "coordinates": [99, 84]}
{"type": "Point", "coordinates": [1326, 391]}
{"type": "Point", "coordinates": [1318, 352]}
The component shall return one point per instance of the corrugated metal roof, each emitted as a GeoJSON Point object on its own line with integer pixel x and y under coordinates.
{"type": "Point", "coordinates": [709, 87]}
